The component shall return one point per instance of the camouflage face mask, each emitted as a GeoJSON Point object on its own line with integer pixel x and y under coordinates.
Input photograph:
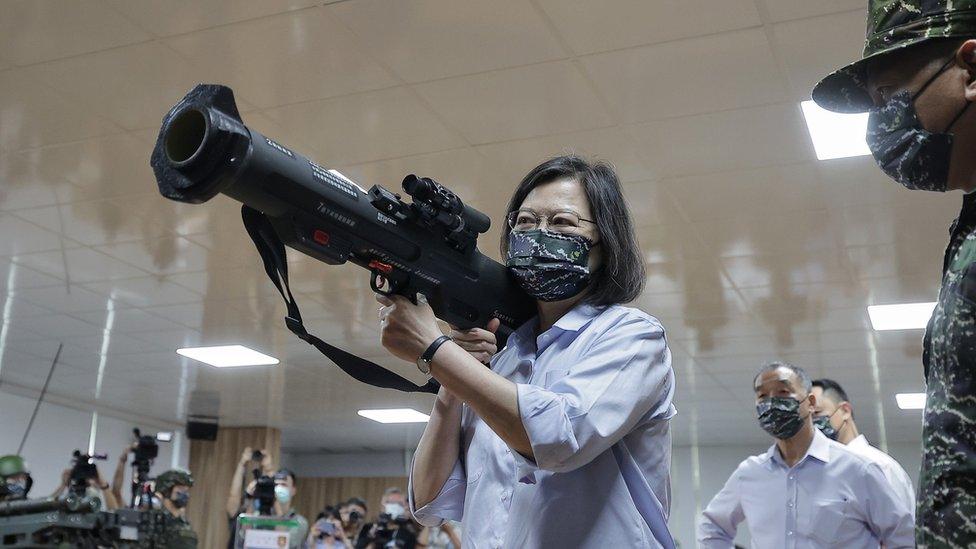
{"type": "Point", "coordinates": [823, 423]}
{"type": "Point", "coordinates": [14, 489]}
{"type": "Point", "coordinates": [780, 416]}
{"type": "Point", "coordinates": [549, 266]}
{"type": "Point", "coordinates": [903, 149]}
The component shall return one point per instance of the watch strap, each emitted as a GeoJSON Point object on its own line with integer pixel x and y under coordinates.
{"type": "Point", "coordinates": [429, 353]}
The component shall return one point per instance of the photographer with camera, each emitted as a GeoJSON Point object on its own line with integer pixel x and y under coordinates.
{"type": "Point", "coordinates": [84, 478]}
{"type": "Point", "coordinates": [271, 493]}
{"type": "Point", "coordinates": [328, 531]}
{"type": "Point", "coordinates": [353, 513]}
{"type": "Point", "coordinates": [394, 528]}
{"type": "Point", "coordinates": [15, 479]}
{"type": "Point", "coordinates": [173, 490]}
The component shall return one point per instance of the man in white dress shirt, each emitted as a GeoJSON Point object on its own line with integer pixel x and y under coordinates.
{"type": "Point", "coordinates": [806, 491]}
{"type": "Point", "coordinates": [834, 416]}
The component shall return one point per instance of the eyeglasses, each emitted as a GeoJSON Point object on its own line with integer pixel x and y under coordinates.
{"type": "Point", "coordinates": [558, 221]}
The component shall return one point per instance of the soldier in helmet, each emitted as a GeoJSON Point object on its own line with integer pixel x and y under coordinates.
{"type": "Point", "coordinates": [15, 479]}
{"type": "Point", "coordinates": [173, 489]}
{"type": "Point", "coordinates": [917, 77]}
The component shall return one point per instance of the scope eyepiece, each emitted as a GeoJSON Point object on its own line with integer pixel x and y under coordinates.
{"type": "Point", "coordinates": [443, 199]}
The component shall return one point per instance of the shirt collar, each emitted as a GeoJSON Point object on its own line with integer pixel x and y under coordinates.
{"type": "Point", "coordinates": [819, 449]}
{"type": "Point", "coordinates": [577, 317]}
{"type": "Point", "coordinates": [860, 442]}
{"type": "Point", "coordinates": [573, 321]}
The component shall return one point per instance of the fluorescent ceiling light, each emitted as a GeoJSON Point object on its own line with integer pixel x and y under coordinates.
{"type": "Point", "coordinates": [835, 135]}
{"type": "Point", "coordinates": [227, 356]}
{"type": "Point", "coordinates": [395, 415]}
{"type": "Point", "coordinates": [901, 316]}
{"type": "Point", "coordinates": [910, 401]}
{"type": "Point", "coordinates": [164, 436]}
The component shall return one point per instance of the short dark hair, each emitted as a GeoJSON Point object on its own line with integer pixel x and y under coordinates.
{"type": "Point", "coordinates": [777, 364]}
{"type": "Point", "coordinates": [356, 501]}
{"type": "Point", "coordinates": [283, 472]}
{"type": "Point", "coordinates": [832, 390]}
{"type": "Point", "coordinates": [621, 277]}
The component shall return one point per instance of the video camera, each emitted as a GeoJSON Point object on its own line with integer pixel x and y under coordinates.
{"type": "Point", "coordinates": [83, 469]}
{"type": "Point", "coordinates": [146, 450]}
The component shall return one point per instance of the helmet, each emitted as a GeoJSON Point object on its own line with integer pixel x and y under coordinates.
{"type": "Point", "coordinates": [892, 26]}
{"type": "Point", "coordinates": [174, 477]}
{"type": "Point", "coordinates": [12, 465]}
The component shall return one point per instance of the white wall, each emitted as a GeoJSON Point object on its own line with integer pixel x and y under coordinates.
{"type": "Point", "coordinates": [692, 488]}
{"type": "Point", "coordinates": [366, 464]}
{"type": "Point", "coordinates": [62, 427]}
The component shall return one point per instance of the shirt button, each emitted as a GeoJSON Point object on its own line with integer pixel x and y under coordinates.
{"type": "Point", "coordinates": [791, 477]}
{"type": "Point", "coordinates": [790, 533]}
{"type": "Point", "coordinates": [790, 504]}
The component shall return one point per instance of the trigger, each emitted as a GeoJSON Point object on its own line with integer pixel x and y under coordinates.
{"type": "Point", "coordinates": [377, 282]}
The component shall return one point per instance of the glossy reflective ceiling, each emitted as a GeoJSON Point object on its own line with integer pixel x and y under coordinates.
{"type": "Point", "coordinates": [756, 250]}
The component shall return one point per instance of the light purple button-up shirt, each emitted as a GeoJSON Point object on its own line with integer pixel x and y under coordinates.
{"type": "Point", "coordinates": [832, 498]}
{"type": "Point", "coordinates": [594, 394]}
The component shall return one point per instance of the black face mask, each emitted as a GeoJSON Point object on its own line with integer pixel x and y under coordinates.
{"type": "Point", "coordinates": [780, 416]}
{"type": "Point", "coordinates": [903, 149]}
{"type": "Point", "coordinates": [181, 500]}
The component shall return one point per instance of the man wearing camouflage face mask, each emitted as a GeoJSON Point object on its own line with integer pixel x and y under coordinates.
{"type": "Point", "coordinates": [806, 491]}
{"type": "Point", "coordinates": [918, 77]}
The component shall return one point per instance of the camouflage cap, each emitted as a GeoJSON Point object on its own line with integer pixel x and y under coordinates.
{"type": "Point", "coordinates": [894, 25]}
{"type": "Point", "coordinates": [174, 477]}
{"type": "Point", "coordinates": [12, 465]}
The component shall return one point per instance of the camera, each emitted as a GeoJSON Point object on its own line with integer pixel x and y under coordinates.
{"type": "Point", "coordinates": [263, 494]}
{"type": "Point", "coordinates": [146, 448]}
{"type": "Point", "coordinates": [394, 532]}
{"type": "Point", "coordinates": [82, 470]}
{"type": "Point", "coordinates": [326, 527]}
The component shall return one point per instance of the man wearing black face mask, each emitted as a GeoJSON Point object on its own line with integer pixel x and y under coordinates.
{"type": "Point", "coordinates": [806, 491]}
{"type": "Point", "coordinates": [173, 489]}
{"type": "Point", "coordinates": [15, 479]}
{"type": "Point", "coordinates": [918, 77]}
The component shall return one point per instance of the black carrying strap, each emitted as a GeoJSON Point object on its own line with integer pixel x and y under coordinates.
{"type": "Point", "coordinates": [272, 252]}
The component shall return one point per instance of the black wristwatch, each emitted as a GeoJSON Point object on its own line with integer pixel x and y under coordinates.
{"type": "Point", "coordinates": [423, 363]}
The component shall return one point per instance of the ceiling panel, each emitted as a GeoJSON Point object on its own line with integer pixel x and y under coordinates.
{"type": "Point", "coordinates": [785, 10]}
{"type": "Point", "coordinates": [740, 64]}
{"type": "Point", "coordinates": [28, 26]}
{"type": "Point", "coordinates": [429, 39]}
{"type": "Point", "coordinates": [517, 103]}
{"type": "Point", "coordinates": [33, 116]}
{"type": "Point", "coordinates": [365, 127]}
{"type": "Point", "coordinates": [312, 57]}
{"type": "Point", "coordinates": [156, 77]}
{"type": "Point", "coordinates": [181, 16]}
{"type": "Point", "coordinates": [614, 24]}
{"type": "Point", "coordinates": [722, 141]}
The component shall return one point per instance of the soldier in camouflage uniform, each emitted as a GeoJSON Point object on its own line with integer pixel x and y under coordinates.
{"type": "Point", "coordinates": [917, 79]}
{"type": "Point", "coordinates": [173, 489]}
